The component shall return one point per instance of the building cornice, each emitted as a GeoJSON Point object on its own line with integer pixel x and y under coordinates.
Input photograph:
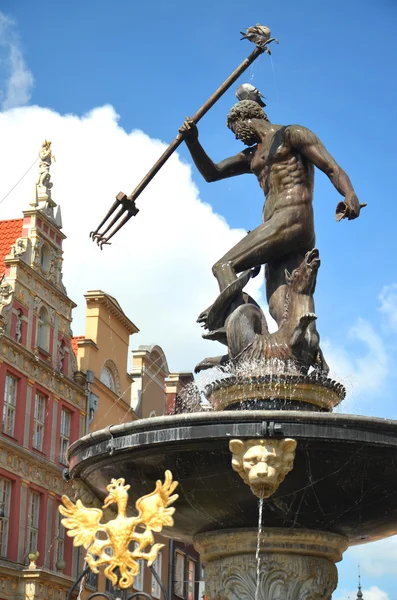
{"type": "Point", "coordinates": [42, 372]}
{"type": "Point", "coordinates": [35, 212]}
{"type": "Point", "coordinates": [87, 342]}
{"type": "Point", "coordinates": [97, 296]}
{"type": "Point", "coordinates": [32, 467]}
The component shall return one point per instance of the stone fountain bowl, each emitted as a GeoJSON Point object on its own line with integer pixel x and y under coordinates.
{"type": "Point", "coordinates": [343, 480]}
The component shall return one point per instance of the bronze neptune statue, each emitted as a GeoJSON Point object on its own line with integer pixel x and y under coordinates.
{"type": "Point", "coordinates": [283, 159]}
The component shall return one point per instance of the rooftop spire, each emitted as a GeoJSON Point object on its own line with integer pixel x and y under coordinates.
{"type": "Point", "coordinates": [359, 592]}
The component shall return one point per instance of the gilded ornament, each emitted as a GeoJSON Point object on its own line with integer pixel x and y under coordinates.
{"type": "Point", "coordinates": [153, 515]}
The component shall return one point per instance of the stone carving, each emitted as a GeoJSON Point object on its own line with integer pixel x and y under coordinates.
{"type": "Point", "coordinates": [22, 466]}
{"type": "Point", "coordinates": [73, 362]}
{"type": "Point", "coordinates": [283, 159]}
{"type": "Point", "coordinates": [20, 247]}
{"type": "Point", "coordinates": [263, 463]}
{"type": "Point", "coordinates": [43, 373]}
{"type": "Point", "coordinates": [44, 177]}
{"type": "Point", "coordinates": [61, 355]}
{"type": "Point", "coordinates": [33, 557]}
{"type": "Point", "coordinates": [6, 294]}
{"type": "Point", "coordinates": [18, 325]}
{"type": "Point", "coordinates": [37, 253]}
{"type": "Point", "coordinates": [51, 313]}
{"type": "Point", "coordinates": [37, 302]}
{"type": "Point", "coordinates": [292, 564]}
{"type": "Point", "coordinates": [52, 273]}
{"type": "Point", "coordinates": [281, 577]}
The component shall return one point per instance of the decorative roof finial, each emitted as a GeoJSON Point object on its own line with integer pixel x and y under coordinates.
{"type": "Point", "coordinates": [43, 184]}
{"type": "Point", "coordinates": [46, 157]}
{"type": "Point", "coordinates": [359, 592]}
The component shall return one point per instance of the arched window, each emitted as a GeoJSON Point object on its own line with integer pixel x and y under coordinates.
{"type": "Point", "coordinates": [110, 376]}
{"type": "Point", "coordinates": [108, 379]}
{"type": "Point", "coordinates": [43, 329]}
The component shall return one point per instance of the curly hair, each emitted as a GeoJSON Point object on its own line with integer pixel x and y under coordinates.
{"type": "Point", "coordinates": [244, 110]}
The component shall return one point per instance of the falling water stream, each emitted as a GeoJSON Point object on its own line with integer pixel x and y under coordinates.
{"type": "Point", "coordinates": [258, 547]}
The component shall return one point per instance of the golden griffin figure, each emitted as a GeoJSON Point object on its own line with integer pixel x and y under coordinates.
{"type": "Point", "coordinates": [114, 551]}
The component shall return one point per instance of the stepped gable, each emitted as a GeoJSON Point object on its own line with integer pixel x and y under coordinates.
{"type": "Point", "coordinates": [9, 231]}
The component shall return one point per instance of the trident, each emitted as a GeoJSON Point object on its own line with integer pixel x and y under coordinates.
{"type": "Point", "coordinates": [126, 204]}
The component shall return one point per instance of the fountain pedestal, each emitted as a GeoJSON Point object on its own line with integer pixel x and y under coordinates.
{"type": "Point", "coordinates": [293, 564]}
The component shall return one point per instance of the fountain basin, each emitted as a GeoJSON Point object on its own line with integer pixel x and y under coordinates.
{"type": "Point", "coordinates": [343, 480]}
{"type": "Point", "coordinates": [280, 392]}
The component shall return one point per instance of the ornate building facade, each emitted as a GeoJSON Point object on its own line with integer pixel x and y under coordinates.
{"type": "Point", "coordinates": [117, 396]}
{"type": "Point", "coordinates": [42, 397]}
{"type": "Point", "coordinates": [55, 388]}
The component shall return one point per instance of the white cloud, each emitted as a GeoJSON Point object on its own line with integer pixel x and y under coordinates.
{"type": "Point", "coordinates": [376, 559]}
{"type": "Point", "coordinates": [159, 266]}
{"type": "Point", "coordinates": [16, 79]}
{"type": "Point", "coordinates": [363, 373]}
{"type": "Point", "coordinates": [372, 593]}
{"type": "Point", "coordinates": [388, 306]}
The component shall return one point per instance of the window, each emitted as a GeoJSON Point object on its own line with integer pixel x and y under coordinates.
{"type": "Point", "coordinates": [110, 376]}
{"type": "Point", "coordinates": [65, 434]}
{"type": "Point", "coordinates": [59, 538]}
{"type": "Point", "coordinates": [43, 329]}
{"type": "Point", "coordinates": [33, 522]}
{"type": "Point", "coordinates": [157, 565]}
{"type": "Point", "coordinates": [138, 581]}
{"type": "Point", "coordinates": [110, 587]}
{"type": "Point", "coordinates": [184, 576]}
{"type": "Point", "coordinates": [10, 403]}
{"type": "Point", "coordinates": [5, 503]}
{"type": "Point", "coordinates": [108, 379]}
{"type": "Point", "coordinates": [91, 580]}
{"type": "Point", "coordinates": [38, 425]}
{"type": "Point", "coordinates": [191, 571]}
{"type": "Point", "coordinates": [179, 575]}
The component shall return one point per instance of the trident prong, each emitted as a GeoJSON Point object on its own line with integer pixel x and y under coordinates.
{"type": "Point", "coordinates": [265, 45]}
{"type": "Point", "coordinates": [127, 203]}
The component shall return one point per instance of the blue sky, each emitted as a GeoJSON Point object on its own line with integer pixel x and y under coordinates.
{"type": "Point", "coordinates": [155, 63]}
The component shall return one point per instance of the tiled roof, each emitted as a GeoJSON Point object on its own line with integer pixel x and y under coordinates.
{"type": "Point", "coordinates": [9, 232]}
{"type": "Point", "coordinates": [75, 341]}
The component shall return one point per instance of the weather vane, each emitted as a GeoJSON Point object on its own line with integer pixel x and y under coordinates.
{"type": "Point", "coordinates": [258, 35]}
